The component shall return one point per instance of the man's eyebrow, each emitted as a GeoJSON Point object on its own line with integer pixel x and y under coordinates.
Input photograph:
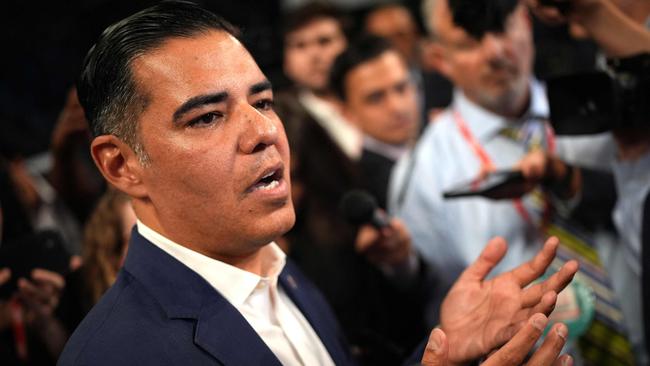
{"type": "Point", "coordinates": [198, 101]}
{"type": "Point", "coordinates": [260, 87]}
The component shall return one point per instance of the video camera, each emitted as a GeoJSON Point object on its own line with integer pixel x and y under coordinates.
{"type": "Point", "coordinates": [595, 102]}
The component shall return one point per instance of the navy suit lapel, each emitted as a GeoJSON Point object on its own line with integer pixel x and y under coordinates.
{"type": "Point", "coordinates": [316, 311]}
{"type": "Point", "coordinates": [224, 333]}
{"type": "Point", "coordinates": [220, 329]}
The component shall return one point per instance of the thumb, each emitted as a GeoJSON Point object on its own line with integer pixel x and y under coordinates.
{"type": "Point", "coordinates": [367, 236]}
{"type": "Point", "coordinates": [437, 349]}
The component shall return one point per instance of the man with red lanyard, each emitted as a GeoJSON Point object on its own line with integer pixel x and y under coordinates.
{"type": "Point", "coordinates": [496, 118]}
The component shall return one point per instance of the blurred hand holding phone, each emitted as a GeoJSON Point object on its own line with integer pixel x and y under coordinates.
{"type": "Point", "coordinates": [42, 250]}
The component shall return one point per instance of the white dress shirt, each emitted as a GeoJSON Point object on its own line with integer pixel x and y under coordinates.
{"type": "Point", "coordinates": [392, 152]}
{"type": "Point", "coordinates": [345, 134]}
{"type": "Point", "coordinates": [451, 233]}
{"type": "Point", "coordinates": [259, 299]}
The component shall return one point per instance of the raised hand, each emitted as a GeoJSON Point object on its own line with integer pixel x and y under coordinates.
{"type": "Point", "coordinates": [390, 245]}
{"type": "Point", "coordinates": [480, 315]}
{"type": "Point", "coordinates": [512, 353]}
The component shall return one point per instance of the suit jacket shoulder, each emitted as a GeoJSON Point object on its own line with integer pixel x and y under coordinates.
{"type": "Point", "coordinates": [161, 312]}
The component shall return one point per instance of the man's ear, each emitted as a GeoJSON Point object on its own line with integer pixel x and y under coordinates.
{"type": "Point", "coordinates": [119, 165]}
{"type": "Point", "coordinates": [433, 54]}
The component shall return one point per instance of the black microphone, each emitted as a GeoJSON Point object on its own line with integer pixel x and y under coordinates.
{"type": "Point", "coordinates": [359, 207]}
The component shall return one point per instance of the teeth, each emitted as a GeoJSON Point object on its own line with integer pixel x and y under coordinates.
{"type": "Point", "coordinates": [271, 185]}
{"type": "Point", "coordinates": [268, 175]}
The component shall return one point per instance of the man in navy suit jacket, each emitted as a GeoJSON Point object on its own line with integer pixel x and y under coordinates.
{"type": "Point", "coordinates": [184, 124]}
{"type": "Point", "coordinates": [157, 305]}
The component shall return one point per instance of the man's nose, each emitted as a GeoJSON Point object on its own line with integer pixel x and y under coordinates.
{"type": "Point", "coordinates": [259, 131]}
{"type": "Point", "coordinates": [495, 46]}
{"type": "Point", "coordinates": [396, 101]}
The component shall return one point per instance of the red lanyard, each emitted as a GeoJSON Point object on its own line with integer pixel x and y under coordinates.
{"type": "Point", "coordinates": [18, 328]}
{"type": "Point", "coordinates": [487, 164]}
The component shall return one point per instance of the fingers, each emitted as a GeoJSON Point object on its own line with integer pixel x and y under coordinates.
{"type": "Point", "coordinates": [531, 270]}
{"type": "Point", "coordinates": [75, 263]}
{"type": "Point", "coordinates": [564, 360]}
{"type": "Point", "coordinates": [546, 305]}
{"type": "Point", "coordinates": [389, 245]}
{"type": "Point", "coordinates": [43, 289]}
{"type": "Point", "coordinates": [489, 258]}
{"type": "Point", "coordinates": [533, 165]}
{"type": "Point", "coordinates": [5, 274]}
{"type": "Point", "coordinates": [366, 238]}
{"type": "Point", "coordinates": [556, 283]}
{"type": "Point", "coordinates": [437, 349]}
{"type": "Point", "coordinates": [398, 230]}
{"type": "Point", "coordinates": [29, 291]}
{"type": "Point", "coordinates": [548, 14]}
{"type": "Point", "coordinates": [549, 351]}
{"type": "Point", "coordinates": [514, 352]}
{"type": "Point", "coordinates": [48, 278]}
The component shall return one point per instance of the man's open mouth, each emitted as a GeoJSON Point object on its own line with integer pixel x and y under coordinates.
{"type": "Point", "coordinates": [269, 180]}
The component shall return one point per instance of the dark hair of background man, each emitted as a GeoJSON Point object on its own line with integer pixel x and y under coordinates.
{"type": "Point", "coordinates": [360, 51]}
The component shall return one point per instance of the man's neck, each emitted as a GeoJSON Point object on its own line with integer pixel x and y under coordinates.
{"type": "Point", "coordinates": [248, 261]}
{"type": "Point", "coordinates": [632, 152]}
{"type": "Point", "coordinates": [518, 109]}
{"type": "Point", "coordinates": [325, 96]}
{"type": "Point", "coordinates": [632, 142]}
{"type": "Point", "coordinates": [513, 109]}
{"type": "Point", "coordinates": [388, 150]}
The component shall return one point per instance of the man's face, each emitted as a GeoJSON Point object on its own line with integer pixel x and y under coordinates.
{"type": "Point", "coordinates": [310, 51]}
{"type": "Point", "coordinates": [380, 98]}
{"type": "Point", "coordinates": [493, 72]}
{"type": "Point", "coordinates": [397, 25]}
{"type": "Point", "coordinates": [218, 176]}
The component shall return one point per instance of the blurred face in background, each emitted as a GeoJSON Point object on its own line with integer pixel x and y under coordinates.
{"type": "Point", "coordinates": [310, 51]}
{"type": "Point", "coordinates": [396, 24]}
{"type": "Point", "coordinates": [381, 99]}
{"type": "Point", "coordinates": [494, 71]}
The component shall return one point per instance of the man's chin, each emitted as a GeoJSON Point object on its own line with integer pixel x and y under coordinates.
{"type": "Point", "coordinates": [280, 221]}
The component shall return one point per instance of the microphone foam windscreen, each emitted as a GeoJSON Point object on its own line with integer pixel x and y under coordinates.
{"type": "Point", "coordinates": [358, 207]}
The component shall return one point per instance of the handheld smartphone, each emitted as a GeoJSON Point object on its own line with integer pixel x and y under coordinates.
{"type": "Point", "coordinates": [43, 249]}
{"type": "Point", "coordinates": [497, 184]}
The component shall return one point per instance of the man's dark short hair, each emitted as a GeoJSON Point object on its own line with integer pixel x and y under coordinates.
{"type": "Point", "coordinates": [364, 49]}
{"type": "Point", "coordinates": [305, 14]}
{"type": "Point", "coordinates": [478, 17]}
{"type": "Point", "coordinates": [107, 90]}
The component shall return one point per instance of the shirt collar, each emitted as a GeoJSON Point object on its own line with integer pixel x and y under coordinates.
{"type": "Point", "coordinates": [632, 173]}
{"type": "Point", "coordinates": [235, 284]}
{"type": "Point", "coordinates": [345, 134]}
{"type": "Point", "coordinates": [485, 124]}
{"type": "Point", "coordinates": [393, 152]}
